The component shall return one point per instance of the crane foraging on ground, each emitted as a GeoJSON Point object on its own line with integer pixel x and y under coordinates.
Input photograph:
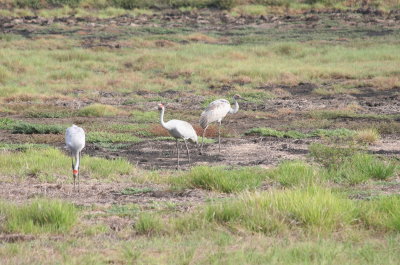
{"type": "Point", "coordinates": [75, 142]}
{"type": "Point", "coordinates": [179, 130]}
{"type": "Point", "coordinates": [216, 111]}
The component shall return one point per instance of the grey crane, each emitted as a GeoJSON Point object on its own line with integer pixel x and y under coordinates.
{"type": "Point", "coordinates": [75, 142]}
{"type": "Point", "coordinates": [179, 130]}
{"type": "Point", "coordinates": [216, 111]}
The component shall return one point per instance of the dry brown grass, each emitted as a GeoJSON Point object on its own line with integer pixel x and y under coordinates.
{"type": "Point", "coordinates": [385, 83]}
{"type": "Point", "coordinates": [367, 136]}
{"type": "Point", "coordinates": [199, 37]}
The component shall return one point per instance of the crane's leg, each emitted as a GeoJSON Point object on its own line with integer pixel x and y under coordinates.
{"type": "Point", "coordinates": [72, 162]}
{"type": "Point", "coordinates": [219, 137]}
{"type": "Point", "coordinates": [187, 148]}
{"type": "Point", "coordinates": [79, 189]}
{"type": "Point", "coordinates": [177, 151]}
{"type": "Point", "coordinates": [202, 140]}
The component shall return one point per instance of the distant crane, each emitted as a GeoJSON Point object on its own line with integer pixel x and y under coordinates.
{"type": "Point", "coordinates": [178, 129]}
{"type": "Point", "coordinates": [216, 111]}
{"type": "Point", "coordinates": [75, 142]}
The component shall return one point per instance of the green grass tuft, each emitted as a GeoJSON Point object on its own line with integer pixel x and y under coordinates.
{"type": "Point", "coordinates": [271, 212]}
{"type": "Point", "coordinates": [149, 224]}
{"type": "Point", "coordinates": [98, 110]}
{"type": "Point", "coordinates": [299, 135]}
{"type": "Point", "coordinates": [32, 128]}
{"type": "Point", "coordinates": [145, 116]}
{"type": "Point", "coordinates": [51, 163]}
{"type": "Point", "coordinates": [295, 173]}
{"type": "Point", "coordinates": [221, 179]}
{"type": "Point", "coordinates": [106, 137]}
{"type": "Point", "coordinates": [39, 216]}
{"type": "Point", "coordinates": [7, 123]}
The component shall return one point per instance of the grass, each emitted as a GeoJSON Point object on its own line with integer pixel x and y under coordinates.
{"type": "Point", "coordinates": [359, 168]}
{"type": "Point", "coordinates": [21, 147]}
{"type": "Point", "coordinates": [49, 162]}
{"type": "Point", "coordinates": [270, 212]}
{"type": "Point", "coordinates": [145, 116]}
{"type": "Point", "coordinates": [31, 128]}
{"type": "Point", "coordinates": [252, 215]}
{"type": "Point", "coordinates": [135, 191]}
{"type": "Point", "coordinates": [220, 179]}
{"type": "Point", "coordinates": [367, 136]}
{"type": "Point", "coordinates": [148, 224]}
{"type": "Point", "coordinates": [345, 114]}
{"type": "Point", "coordinates": [99, 110]}
{"type": "Point", "coordinates": [299, 135]}
{"type": "Point", "coordinates": [106, 137]}
{"type": "Point", "coordinates": [351, 166]}
{"type": "Point", "coordinates": [295, 173]}
{"type": "Point", "coordinates": [38, 216]}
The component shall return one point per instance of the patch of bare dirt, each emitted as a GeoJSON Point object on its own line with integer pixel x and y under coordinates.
{"type": "Point", "coordinates": [106, 194]}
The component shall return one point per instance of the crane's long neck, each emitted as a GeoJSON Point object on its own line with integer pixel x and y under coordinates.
{"type": "Point", "coordinates": [235, 108]}
{"type": "Point", "coordinates": [162, 118]}
{"type": "Point", "coordinates": [77, 160]}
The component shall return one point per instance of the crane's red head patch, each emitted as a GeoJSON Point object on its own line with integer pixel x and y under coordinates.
{"type": "Point", "coordinates": [75, 172]}
{"type": "Point", "coordinates": [160, 106]}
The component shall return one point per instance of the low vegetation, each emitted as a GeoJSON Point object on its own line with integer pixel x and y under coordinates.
{"type": "Point", "coordinates": [38, 216]}
{"type": "Point", "coordinates": [106, 137]}
{"type": "Point", "coordinates": [220, 179]}
{"type": "Point", "coordinates": [321, 76]}
{"type": "Point", "coordinates": [99, 110]}
{"type": "Point", "coordinates": [299, 135]}
{"type": "Point", "coordinates": [49, 164]}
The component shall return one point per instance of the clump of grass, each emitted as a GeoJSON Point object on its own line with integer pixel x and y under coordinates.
{"type": "Point", "coordinates": [106, 137]}
{"type": "Point", "coordinates": [351, 166]}
{"type": "Point", "coordinates": [382, 213]}
{"type": "Point", "coordinates": [99, 110]}
{"type": "Point", "coordinates": [295, 173]}
{"type": "Point", "coordinates": [39, 216]}
{"type": "Point", "coordinates": [330, 155]}
{"type": "Point", "coordinates": [145, 116]}
{"type": "Point", "coordinates": [129, 209]}
{"type": "Point", "coordinates": [276, 133]}
{"type": "Point", "coordinates": [32, 128]}
{"type": "Point", "coordinates": [6, 123]}
{"type": "Point", "coordinates": [221, 179]}
{"type": "Point", "coordinates": [21, 147]}
{"type": "Point", "coordinates": [47, 114]}
{"type": "Point", "coordinates": [135, 191]}
{"type": "Point", "coordinates": [314, 208]}
{"type": "Point", "coordinates": [299, 135]}
{"type": "Point", "coordinates": [149, 224]}
{"type": "Point", "coordinates": [49, 162]}
{"type": "Point", "coordinates": [348, 114]}
{"type": "Point", "coordinates": [360, 168]}
{"type": "Point", "coordinates": [367, 136]}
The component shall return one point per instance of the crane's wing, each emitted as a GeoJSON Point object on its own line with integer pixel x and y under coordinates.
{"type": "Point", "coordinates": [75, 138]}
{"type": "Point", "coordinates": [216, 111]}
{"type": "Point", "coordinates": [182, 129]}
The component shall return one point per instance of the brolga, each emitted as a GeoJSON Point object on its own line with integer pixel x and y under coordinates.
{"type": "Point", "coordinates": [216, 111]}
{"type": "Point", "coordinates": [179, 130]}
{"type": "Point", "coordinates": [75, 142]}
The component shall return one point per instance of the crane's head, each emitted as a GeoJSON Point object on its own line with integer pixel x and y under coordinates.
{"type": "Point", "coordinates": [237, 96]}
{"type": "Point", "coordinates": [160, 106]}
{"type": "Point", "coordinates": [75, 173]}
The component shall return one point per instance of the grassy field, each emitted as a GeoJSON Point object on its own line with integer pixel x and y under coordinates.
{"type": "Point", "coordinates": [309, 171]}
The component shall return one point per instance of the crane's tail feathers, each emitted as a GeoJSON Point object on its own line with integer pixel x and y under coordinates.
{"type": "Point", "coordinates": [203, 122]}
